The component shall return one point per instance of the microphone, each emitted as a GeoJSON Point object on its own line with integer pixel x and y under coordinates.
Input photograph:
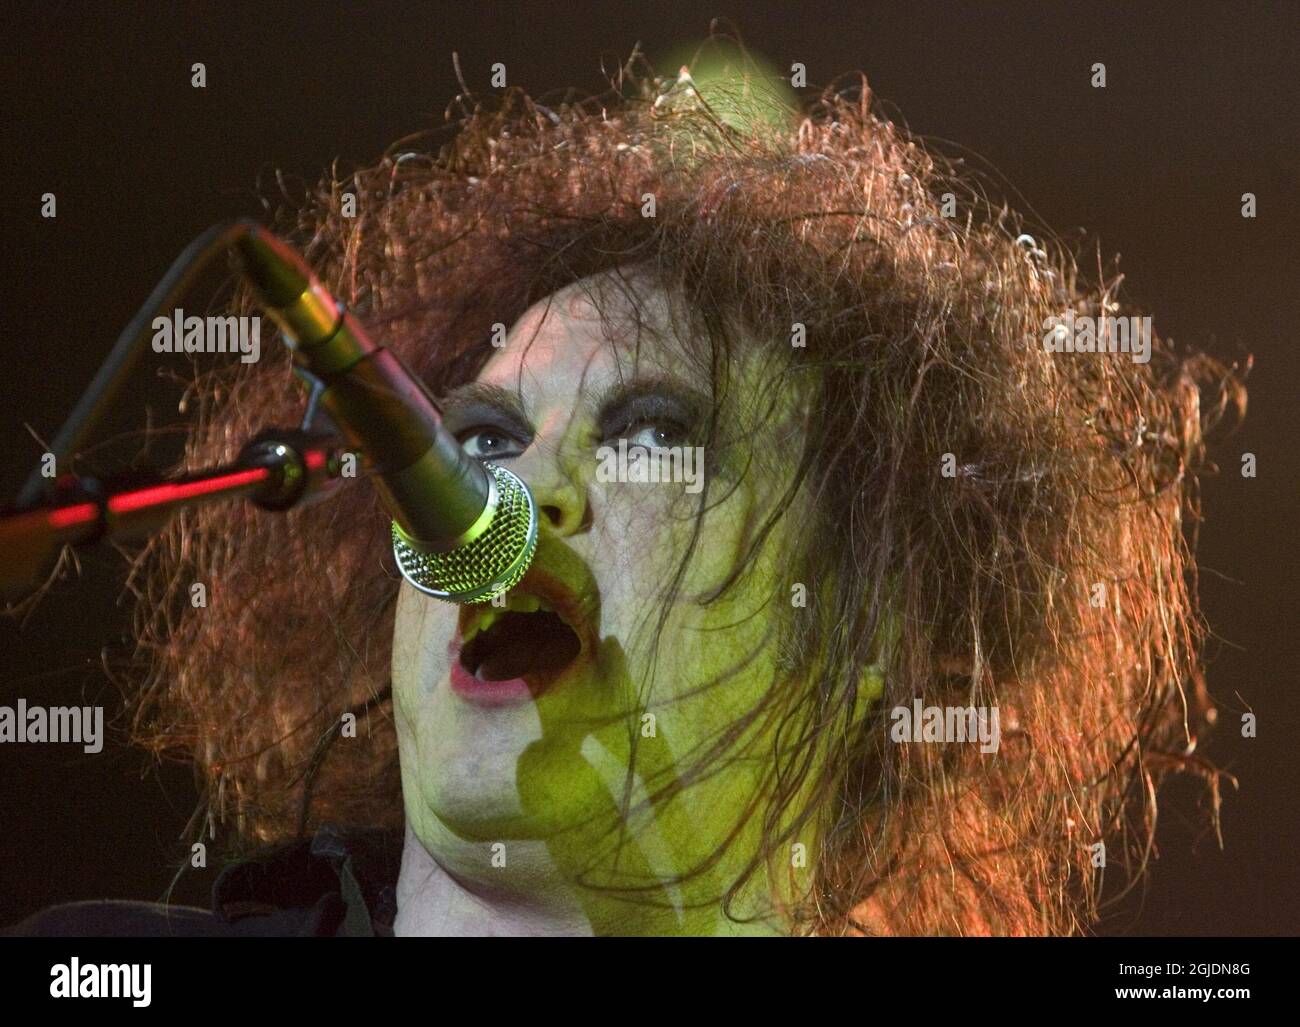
{"type": "Point", "coordinates": [463, 531]}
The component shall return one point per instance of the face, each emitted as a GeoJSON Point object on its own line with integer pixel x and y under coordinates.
{"type": "Point", "coordinates": [551, 747]}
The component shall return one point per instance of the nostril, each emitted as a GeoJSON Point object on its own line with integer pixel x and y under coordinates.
{"type": "Point", "coordinates": [564, 510]}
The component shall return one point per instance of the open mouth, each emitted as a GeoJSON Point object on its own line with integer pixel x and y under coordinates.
{"type": "Point", "coordinates": [548, 628]}
{"type": "Point", "coordinates": [527, 639]}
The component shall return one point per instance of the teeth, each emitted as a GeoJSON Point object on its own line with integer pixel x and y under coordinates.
{"type": "Point", "coordinates": [525, 603]}
{"type": "Point", "coordinates": [520, 602]}
{"type": "Point", "coordinates": [485, 620]}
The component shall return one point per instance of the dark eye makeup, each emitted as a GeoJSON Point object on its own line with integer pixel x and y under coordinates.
{"type": "Point", "coordinates": [663, 412]}
{"type": "Point", "coordinates": [491, 423]}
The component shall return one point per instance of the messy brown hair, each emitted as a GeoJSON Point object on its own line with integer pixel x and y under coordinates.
{"type": "Point", "coordinates": [966, 491]}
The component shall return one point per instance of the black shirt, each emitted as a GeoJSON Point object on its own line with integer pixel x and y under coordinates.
{"type": "Point", "coordinates": [337, 884]}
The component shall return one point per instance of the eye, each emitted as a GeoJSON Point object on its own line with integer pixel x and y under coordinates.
{"type": "Point", "coordinates": [484, 442]}
{"type": "Point", "coordinates": [656, 434]}
{"type": "Point", "coordinates": [652, 420]}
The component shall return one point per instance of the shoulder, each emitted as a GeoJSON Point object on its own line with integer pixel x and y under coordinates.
{"type": "Point", "coordinates": [337, 883]}
{"type": "Point", "coordinates": [123, 919]}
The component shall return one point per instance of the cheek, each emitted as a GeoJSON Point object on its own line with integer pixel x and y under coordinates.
{"type": "Point", "coordinates": [421, 630]}
{"type": "Point", "coordinates": [646, 531]}
{"type": "Point", "coordinates": [643, 536]}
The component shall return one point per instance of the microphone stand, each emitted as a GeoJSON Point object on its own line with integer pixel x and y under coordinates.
{"type": "Point", "coordinates": [279, 469]}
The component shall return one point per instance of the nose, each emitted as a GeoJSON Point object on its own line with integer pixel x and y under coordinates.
{"type": "Point", "coordinates": [557, 485]}
{"type": "Point", "coordinates": [565, 510]}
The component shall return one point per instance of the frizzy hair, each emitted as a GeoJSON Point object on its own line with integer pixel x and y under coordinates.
{"type": "Point", "coordinates": [923, 353]}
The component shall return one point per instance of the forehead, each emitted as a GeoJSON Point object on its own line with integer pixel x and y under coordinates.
{"type": "Point", "coordinates": [596, 331]}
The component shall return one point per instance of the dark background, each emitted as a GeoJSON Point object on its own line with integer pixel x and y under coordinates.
{"type": "Point", "coordinates": [1200, 107]}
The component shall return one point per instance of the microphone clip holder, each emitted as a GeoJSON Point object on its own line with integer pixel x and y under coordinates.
{"type": "Point", "coordinates": [278, 469]}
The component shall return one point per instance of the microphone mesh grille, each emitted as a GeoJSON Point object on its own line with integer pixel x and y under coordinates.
{"type": "Point", "coordinates": [491, 564]}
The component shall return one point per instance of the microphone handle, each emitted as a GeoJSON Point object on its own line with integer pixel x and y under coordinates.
{"type": "Point", "coordinates": [440, 497]}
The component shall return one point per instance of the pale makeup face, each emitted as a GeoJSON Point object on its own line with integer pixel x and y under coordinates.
{"type": "Point", "coordinates": [516, 729]}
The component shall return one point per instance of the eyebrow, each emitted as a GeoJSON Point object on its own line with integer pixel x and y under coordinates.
{"type": "Point", "coordinates": [483, 394]}
{"type": "Point", "coordinates": [696, 403]}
